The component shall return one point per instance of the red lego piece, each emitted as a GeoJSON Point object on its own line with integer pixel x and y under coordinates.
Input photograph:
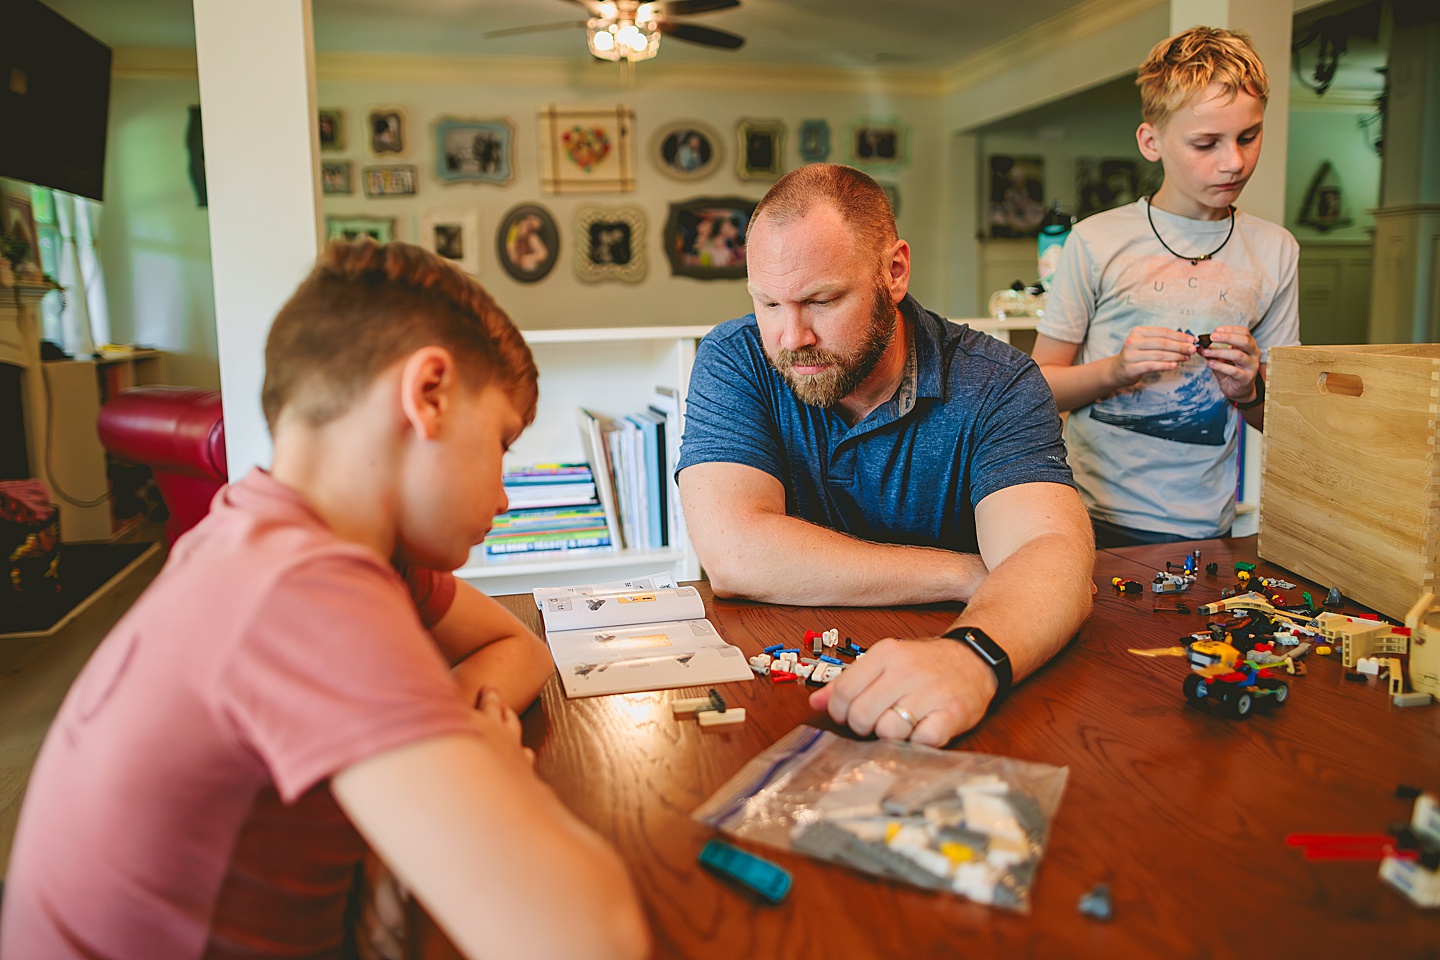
{"type": "Point", "coordinates": [782, 676]}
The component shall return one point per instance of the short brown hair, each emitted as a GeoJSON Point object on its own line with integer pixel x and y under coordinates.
{"type": "Point", "coordinates": [858, 199]}
{"type": "Point", "coordinates": [1180, 67]}
{"type": "Point", "coordinates": [367, 305]}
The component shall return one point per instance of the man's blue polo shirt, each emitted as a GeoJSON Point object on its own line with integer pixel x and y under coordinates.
{"type": "Point", "coordinates": [971, 416]}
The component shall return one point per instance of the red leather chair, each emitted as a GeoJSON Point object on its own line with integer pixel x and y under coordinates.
{"type": "Point", "coordinates": [179, 433]}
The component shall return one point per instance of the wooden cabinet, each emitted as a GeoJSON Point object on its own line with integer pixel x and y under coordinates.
{"type": "Point", "coordinates": [613, 371]}
{"type": "Point", "coordinates": [59, 403]}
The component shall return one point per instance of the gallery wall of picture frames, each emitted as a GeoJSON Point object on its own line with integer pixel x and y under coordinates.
{"type": "Point", "coordinates": [580, 150]}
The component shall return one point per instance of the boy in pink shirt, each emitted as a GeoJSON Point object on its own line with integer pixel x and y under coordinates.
{"type": "Point", "coordinates": [282, 694]}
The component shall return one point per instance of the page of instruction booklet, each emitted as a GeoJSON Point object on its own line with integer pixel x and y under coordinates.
{"type": "Point", "coordinates": [632, 635]}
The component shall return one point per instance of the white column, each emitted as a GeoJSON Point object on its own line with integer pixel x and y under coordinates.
{"type": "Point", "coordinates": [257, 99]}
{"type": "Point", "coordinates": [1269, 24]}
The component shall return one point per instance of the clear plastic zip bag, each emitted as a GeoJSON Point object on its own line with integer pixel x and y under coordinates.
{"type": "Point", "coordinates": [971, 824]}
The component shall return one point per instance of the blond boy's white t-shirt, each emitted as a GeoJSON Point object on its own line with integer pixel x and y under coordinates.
{"type": "Point", "coordinates": [1161, 455]}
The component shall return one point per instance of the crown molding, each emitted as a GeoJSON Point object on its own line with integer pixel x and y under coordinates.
{"type": "Point", "coordinates": [1076, 23]}
{"type": "Point", "coordinates": [579, 73]}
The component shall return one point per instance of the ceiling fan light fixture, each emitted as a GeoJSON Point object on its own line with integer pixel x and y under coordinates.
{"type": "Point", "coordinates": [622, 39]}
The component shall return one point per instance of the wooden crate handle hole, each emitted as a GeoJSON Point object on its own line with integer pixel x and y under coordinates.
{"type": "Point", "coordinates": [1341, 384]}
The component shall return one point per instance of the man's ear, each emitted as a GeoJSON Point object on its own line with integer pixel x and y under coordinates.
{"type": "Point", "coordinates": [1146, 137]}
{"type": "Point", "coordinates": [427, 388]}
{"type": "Point", "coordinates": [897, 275]}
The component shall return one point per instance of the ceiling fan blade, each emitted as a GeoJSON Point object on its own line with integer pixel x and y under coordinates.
{"type": "Point", "coordinates": [538, 28]}
{"type": "Point", "coordinates": [701, 35]}
{"type": "Point", "coordinates": [685, 8]}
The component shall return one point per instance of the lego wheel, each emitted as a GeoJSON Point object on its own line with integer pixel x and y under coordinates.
{"type": "Point", "coordinates": [1241, 705]}
{"type": "Point", "coordinates": [1194, 687]}
{"type": "Point", "coordinates": [1282, 693]}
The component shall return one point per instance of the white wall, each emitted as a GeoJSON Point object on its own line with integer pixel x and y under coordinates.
{"type": "Point", "coordinates": [156, 245]}
{"type": "Point", "coordinates": [154, 240]}
{"type": "Point", "coordinates": [562, 299]}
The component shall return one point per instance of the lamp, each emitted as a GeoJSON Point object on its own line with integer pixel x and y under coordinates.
{"type": "Point", "coordinates": [623, 38]}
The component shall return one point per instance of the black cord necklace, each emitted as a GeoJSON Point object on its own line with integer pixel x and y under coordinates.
{"type": "Point", "coordinates": [1193, 260]}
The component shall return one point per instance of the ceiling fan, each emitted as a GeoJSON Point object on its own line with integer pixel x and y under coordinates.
{"type": "Point", "coordinates": [631, 29]}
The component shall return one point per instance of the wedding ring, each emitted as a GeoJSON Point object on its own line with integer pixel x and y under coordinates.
{"type": "Point", "coordinates": [904, 714]}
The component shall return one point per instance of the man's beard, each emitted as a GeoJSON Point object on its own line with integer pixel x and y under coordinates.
{"type": "Point", "coordinates": [842, 374]}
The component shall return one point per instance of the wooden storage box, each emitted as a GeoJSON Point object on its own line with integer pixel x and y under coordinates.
{"type": "Point", "coordinates": [1349, 494]}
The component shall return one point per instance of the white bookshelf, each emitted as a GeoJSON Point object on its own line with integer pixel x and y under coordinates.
{"type": "Point", "coordinates": [613, 371]}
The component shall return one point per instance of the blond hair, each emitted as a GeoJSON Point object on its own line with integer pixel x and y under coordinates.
{"type": "Point", "coordinates": [367, 305]}
{"type": "Point", "coordinates": [859, 200]}
{"type": "Point", "coordinates": [1186, 64]}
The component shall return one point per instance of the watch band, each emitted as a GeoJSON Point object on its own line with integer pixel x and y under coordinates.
{"type": "Point", "coordinates": [992, 653]}
{"type": "Point", "coordinates": [1259, 394]}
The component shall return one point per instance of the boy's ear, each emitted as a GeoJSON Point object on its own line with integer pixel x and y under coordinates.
{"type": "Point", "coordinates": [427, 386]}
{"type": "Point", "coordinates": [1147, 137]}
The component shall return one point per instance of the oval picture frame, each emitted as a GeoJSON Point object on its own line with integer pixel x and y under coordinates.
{"type": "Point", "coordinates": [687, 150]}
{"type": "Point", "coordinates": [527, 243]}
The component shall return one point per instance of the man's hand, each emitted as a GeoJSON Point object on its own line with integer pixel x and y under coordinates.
{"type": "Point", "coordinates": [942, 684]}
{"type": "Point", "coordinates": [1234, 359]}
{"type": "Point", "coordinates": [1150, 350]}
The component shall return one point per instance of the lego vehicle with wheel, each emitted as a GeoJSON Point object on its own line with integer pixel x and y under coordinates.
{"type": "Point", "coordinates": [1238, 686]}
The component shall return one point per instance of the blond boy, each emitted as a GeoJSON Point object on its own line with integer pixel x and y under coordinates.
{"type": "Point", "coordinates": [1151, 433]}
{"type": "Point", "coordinates": [282, 694]}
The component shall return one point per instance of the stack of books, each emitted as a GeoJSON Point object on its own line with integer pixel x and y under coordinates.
{"type": "Point", "coordinates": [634, 459]}
{"type": "Point", "coordinates": [553, 506]}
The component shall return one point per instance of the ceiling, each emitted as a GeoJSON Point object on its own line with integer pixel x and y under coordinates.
{"type": "Point", "coordinates": [913, 34]}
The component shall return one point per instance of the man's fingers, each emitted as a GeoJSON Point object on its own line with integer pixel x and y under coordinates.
{"type": "Point", "coordinates": [938, 727]}
{"type": "Point", "coordinates": [856, 678]}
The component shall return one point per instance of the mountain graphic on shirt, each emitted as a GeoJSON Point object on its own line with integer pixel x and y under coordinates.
{"type": "Point", "coordinates": [1188, 408]}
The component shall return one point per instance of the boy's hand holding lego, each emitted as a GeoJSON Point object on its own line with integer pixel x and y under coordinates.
{"type": "Point", "coordinates": [1149, 350]}
{"type": "Point", "coordinates": [1234, 358]}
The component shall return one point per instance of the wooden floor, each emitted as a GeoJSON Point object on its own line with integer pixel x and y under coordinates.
{"type": "Point", "coordinates": [34, 676]}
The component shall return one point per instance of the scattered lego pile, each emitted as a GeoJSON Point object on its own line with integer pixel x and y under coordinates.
{"type": "Point", "coordinates": [789, 664]}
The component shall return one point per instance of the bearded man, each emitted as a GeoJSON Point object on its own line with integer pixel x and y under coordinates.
{"type": "Point", "coordinates": [845, 446]}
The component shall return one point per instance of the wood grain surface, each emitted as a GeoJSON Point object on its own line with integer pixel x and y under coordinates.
{"type": "Point", "coordinates": [1181, 810]}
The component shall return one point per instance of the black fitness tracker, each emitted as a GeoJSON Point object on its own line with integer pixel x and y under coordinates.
{"type": "Point", "coordinates": [1259, 394]}
{"type": "Point", "coordinates": [990, 652]}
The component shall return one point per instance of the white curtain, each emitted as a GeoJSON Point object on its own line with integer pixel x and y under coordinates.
{"type": "Point", "coordinates": [85, 319]}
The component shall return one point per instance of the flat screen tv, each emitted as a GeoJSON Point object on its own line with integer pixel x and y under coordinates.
{"type": "Point", "coordinates": [54, 100]}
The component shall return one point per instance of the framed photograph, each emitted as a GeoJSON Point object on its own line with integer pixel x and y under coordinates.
{"type": "Point", "coordinates": [454, 235]}
{"type": "Point", "coordinates": [386, 127]}
{"type": "Point", "coordinates": [475, 150]}
{"type": "Point", "coordinates": [879, 145]}
{"type": "Point", "coordinates": [332, 129]}
{"type": "Point", "coordinates": [1017, 196]}
{"type": "Point", "coordinates": [761, 149]}
{"type": "Point", "coordinates": [814, 141]}
{"type": "Point", "coordinates": [381, 229]}
{"type": "Point", "coordinates": [587, 150]}
{"type": "Point", "coordinates": [610, 244]}
{"type": "Point", "coordinates": [528, 243]}
{"type": "Point", "coordinates": [705, 237]}
{"type": "Point", "coordinates": [335, 176]}
{"type": "Point", "coordinates": [389, 180]}
{"type": "Point", "coordinates": [1103, 184]}
{"type": "Point", "coordinates": [686, 150]}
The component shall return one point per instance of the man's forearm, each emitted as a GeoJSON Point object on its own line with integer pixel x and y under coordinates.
{"type": "Point", "coordinates": [781, 559]}
{"type": "Point", "coordinates": [1033, 603]}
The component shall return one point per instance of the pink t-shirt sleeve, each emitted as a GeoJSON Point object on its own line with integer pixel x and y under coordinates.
{"type": "Point", "coordinates": [432, 590]}
{"type": "Point", "coordinates": [336, 669]}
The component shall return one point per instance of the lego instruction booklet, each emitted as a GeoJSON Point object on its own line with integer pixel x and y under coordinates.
{"type": "Point", "coordinates": [633, 635]}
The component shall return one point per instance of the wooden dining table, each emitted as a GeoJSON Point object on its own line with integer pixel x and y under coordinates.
{"type": "Point", "coordinates": [1183, 811]}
